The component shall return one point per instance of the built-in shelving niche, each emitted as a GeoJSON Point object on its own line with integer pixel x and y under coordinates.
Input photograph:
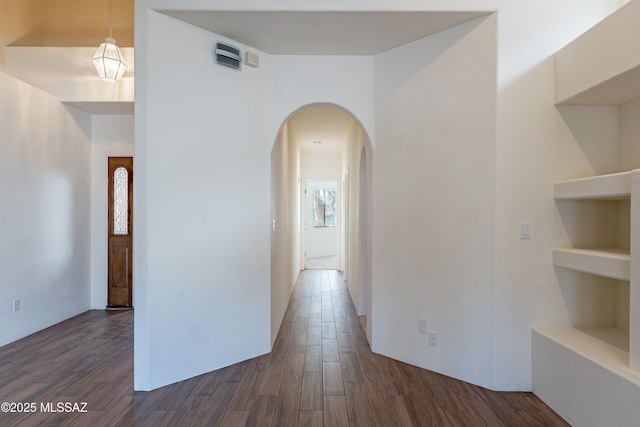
{"type": "Point", "coordinates": [594, 271]}
{"type": "Point", "coordinates": [588, 368]}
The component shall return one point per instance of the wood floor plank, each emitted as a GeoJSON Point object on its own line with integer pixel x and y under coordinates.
{"type": "Point", "coordinates": [298, 342]}
{"type": "Point", "coordinates": [293, 368]}
{"type": "Point", "coordinates": [311, 395]}
{"type": "Point", "coordinates": [235, 419]}
{"type": "Point", "coordinates": [351, 372]}
{"type": "Point", "coordinates": [332, 384]}
{"type": "Point", "coordinates": [330, 351]}
{"type": "Point", "coordinates": [377, 390]}
{"type": "Point", "coordinates": [366, 359]}
{"type": "Point", "coordinates": [159, 419]}
{"type": "Point", "coordinates": [342, 325]}
{"type": "Point", "coordinates": [272, 379]}
{"type": "Point", "coordinates": [358, 406]}
{"type": "Point", "coordinates": [262, 412]}
{"type": "Point", "coordinates": [405, 412]}
{"type": "Point", "coordinates": [288, 405]}
{"type": "Point", "coordinates": [247, 391]}
{"type": "Point", "coordinates": [314, 335]}
{"type": "Point", "coordinates": [280, 349]}
{"type": "Point", "coordinates": [328, 330]}
{"type": "Point", "coordinates": [345, 343]}
{"type": "Point", "coordinates": [396, 381]}
{"type": "Point", "coordinates": [386, 418]}
{"type": "Point", "coordinates": [216, 405]}
{"type": "Point", "coordinates": [192, 409]}
{"type": "Point", "coordinates": [235, 372]}
{"type": "Point", "coordinates": [315, 319]}
{"type": "Point", "coordinates": [359, 337]}
{"type": "Point", "coordinates": [335, 411]}
{"type": "Point", "coordinates": [313, 358]}
{"type": "Point", "coordinates": [311, 419]}
{"type": "Point", "coordinates": [208, 383]}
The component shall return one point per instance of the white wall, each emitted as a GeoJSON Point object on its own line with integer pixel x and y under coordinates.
{"type": "Point", "coordinates": [45, 175]}
{"type": "Point", "coordinates": [433, 201]}
{"type": "Point", "coordinates": [629, 135]}
{"type": "Point", "coordinates": [321, 165]}
{"type": "Point", "coordinates": [110, 136]}
{"type": "Point", "coordinates": [345, 81]}
{"type": "Point", "coordinates": [358, 222]}
{"type": "Point", "coordinates": [285, 232]}
{"type": "Point", "coordinates": [504, 150]}
{"type": "Point", "coordinates": [203, 219]}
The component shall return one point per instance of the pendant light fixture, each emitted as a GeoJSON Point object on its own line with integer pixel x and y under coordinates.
{"type": "Point", "coordinates": [108, 58]}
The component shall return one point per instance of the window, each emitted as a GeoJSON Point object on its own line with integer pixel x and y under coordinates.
{"type": "Point", "coordinates": [324, 208]}
{"type": "Point", "coordinates": [121, 201]}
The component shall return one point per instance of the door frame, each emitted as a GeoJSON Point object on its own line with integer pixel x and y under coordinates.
{"type": "Point", "coordinates": [125, 162]}
{"type": "Point", "coordinates": [100, 225]}
{"type": "Point", "coordinates": [303, 219]}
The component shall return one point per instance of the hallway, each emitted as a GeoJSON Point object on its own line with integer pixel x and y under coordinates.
{"type": "Point", "coordinates": [320, 372]}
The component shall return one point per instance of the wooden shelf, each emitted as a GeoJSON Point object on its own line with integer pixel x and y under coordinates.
{"type": "Point", "coordinates": [614, 263]}
{"type": "Point", "coordinates": [615, 186]}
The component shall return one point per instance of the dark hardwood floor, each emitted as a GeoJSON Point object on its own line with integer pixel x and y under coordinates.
{"type": "Point", "coordinates": [320, 372]}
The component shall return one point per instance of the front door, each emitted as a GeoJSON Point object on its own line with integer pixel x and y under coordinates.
{"type": "Point", "coordinates": [120, 227]}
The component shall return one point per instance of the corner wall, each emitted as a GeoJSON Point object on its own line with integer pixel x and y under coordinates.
{"type": "Point", "coordinates": [202, 194]}
{"type": "Point", "coordinates": [45, 175]}
{"type": "Point", "coordinates": [433, 225]}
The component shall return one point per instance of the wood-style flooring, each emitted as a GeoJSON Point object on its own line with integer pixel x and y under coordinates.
{"type": "Point", "coordinates": [321, 372]}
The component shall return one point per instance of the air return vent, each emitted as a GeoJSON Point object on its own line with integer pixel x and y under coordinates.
{"type": "Point", "coordinates": [228, 56]}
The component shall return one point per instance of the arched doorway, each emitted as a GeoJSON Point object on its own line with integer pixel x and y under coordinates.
{"type": "Point", "coordinates": [320, 142]}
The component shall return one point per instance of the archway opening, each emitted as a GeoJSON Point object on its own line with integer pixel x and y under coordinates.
{"type": "Point", "coordinates": [320, 144]}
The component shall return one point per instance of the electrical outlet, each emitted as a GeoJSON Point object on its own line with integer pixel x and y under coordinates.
{"type": "Point", "coordinates": [16, 305]}
{"type": "Point", "coordinates": [433, 339]}
{"type": "Point", "coordinates": [422, 326]}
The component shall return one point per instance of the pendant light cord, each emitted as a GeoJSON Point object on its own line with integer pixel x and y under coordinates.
{"type": "Point", "coordinates": [110, 18]}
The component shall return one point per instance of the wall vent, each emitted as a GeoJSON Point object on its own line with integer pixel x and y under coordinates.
{"type": "Point", "coordinates": [228, 56]}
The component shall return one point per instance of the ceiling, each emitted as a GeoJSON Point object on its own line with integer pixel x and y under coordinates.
{"type": "Point", "coordinates": [323, 33]}
{"type": "Point", "coordinates": [320, 128]}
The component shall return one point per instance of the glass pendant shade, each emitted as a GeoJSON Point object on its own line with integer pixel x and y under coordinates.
{"type": "Point", "coordinates": [109, 61]}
